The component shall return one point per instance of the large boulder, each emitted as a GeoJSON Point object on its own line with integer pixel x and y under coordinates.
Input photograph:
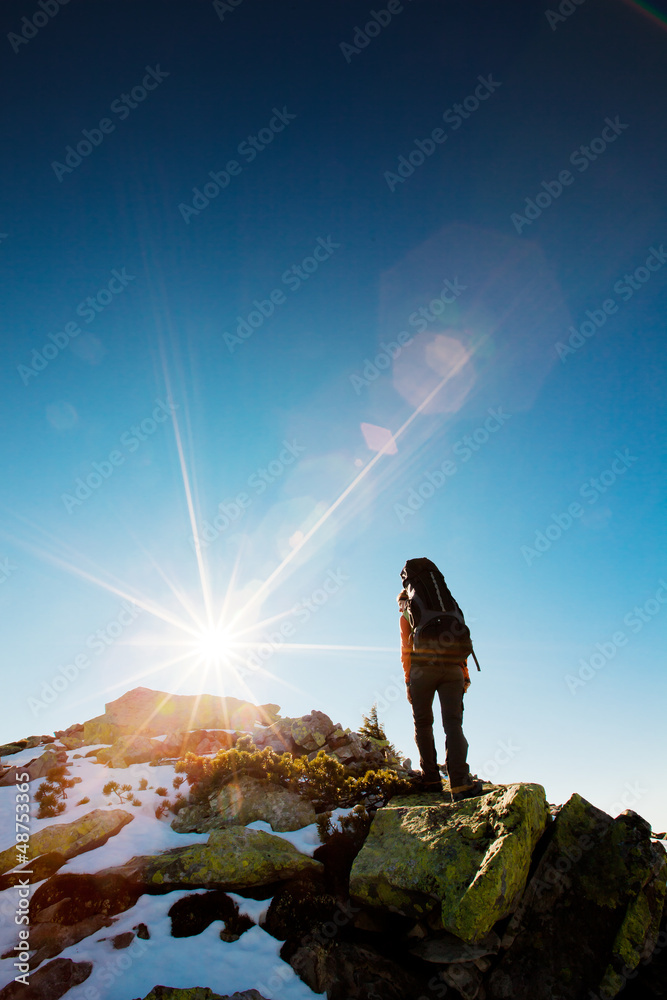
{"type": "Point", "coordinates": [311, 731]}
{"type": "Point", "coordinates": [151, 713]}
{"type": "Point", "coordinates": [248, 799]}
{"type": "Point", "coordinates": [590, 913]}
{"type": "Point", "coordinates": [100, 730]}
{"type": "Point", "coordinates": [130, 750]}
{"type": "Point", "coordinates": [70, 898]}
{"type": "Point", "coordinates": [233, 859]}
{"type": "Point", "coordinates": [464, 864]}
{"type": "Point", "coordinates": [69, 839]}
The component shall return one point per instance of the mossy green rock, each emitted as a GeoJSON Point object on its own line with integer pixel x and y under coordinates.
{"type": "Point", "coordinates": [232, 859]}
{"type": "Point", "coordinates": [468, 861]}
{"type": "Point", "coordinates": [70, 839]}
{"type": "Point", "coordinates": [591, 910]}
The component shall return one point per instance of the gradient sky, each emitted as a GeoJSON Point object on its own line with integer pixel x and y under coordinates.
{"type": "Point", "coordinates": [448, 236]}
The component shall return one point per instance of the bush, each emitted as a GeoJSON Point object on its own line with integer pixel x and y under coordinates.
{"type": "Point", "coordinates": [122, 791]}
{"type": "Point", "coordinates": [52, 793]}
{"type": "Point", "coordinates": [324, 780]}
{"type": "Point", "coordinates": [83, 801]}
{"type": "Point", "coordinates": [161, 790]}
{"type": "Point", "coordinates": [143, 785]}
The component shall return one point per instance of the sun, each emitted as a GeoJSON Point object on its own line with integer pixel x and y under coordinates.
{"type": "Point", "coordinates": [214, 644]}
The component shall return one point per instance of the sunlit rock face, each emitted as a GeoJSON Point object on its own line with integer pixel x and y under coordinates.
{"type": "Point", "coordinates": [151, 713]}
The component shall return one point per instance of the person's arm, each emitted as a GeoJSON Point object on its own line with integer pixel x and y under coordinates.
{"type": "Point", "coordinates": [466, 677]}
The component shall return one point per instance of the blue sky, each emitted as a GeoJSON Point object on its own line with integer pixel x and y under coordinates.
{"type": "Point", "coordinates": [360, 294]}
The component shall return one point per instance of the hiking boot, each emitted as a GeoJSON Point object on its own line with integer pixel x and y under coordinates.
{"type": "Point", "coordinates": [422, 784]}
{"type": "Point", "coordinates": [467, 792]}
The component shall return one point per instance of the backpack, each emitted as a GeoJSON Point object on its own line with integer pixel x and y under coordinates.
{"type": "Point", "coordinates": [436, 618]}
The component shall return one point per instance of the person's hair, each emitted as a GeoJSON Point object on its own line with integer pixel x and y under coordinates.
{"type": "Point", "coordinates": [403, 596]}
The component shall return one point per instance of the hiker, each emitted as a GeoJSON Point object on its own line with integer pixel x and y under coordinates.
{"type": "Point", "coordinates": [435, 644]}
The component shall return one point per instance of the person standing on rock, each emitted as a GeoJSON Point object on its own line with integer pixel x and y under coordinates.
{"type": "Point", "coordinates": [433, 665]}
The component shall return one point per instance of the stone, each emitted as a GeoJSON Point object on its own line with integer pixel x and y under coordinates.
{"type": "Point", "coordinates": [72, 742]}
{"type": "Point", "coordinates": [36, 870]}
{"type": "Point", "coordinates": [348, 971]}
{"type": "Point", "coordinates": [69, 839]}
{"type": "Point", "coordinates": [248, 799]}
{"type": "Point", "coordinates": [311, 731]}
{"type": "Point", "coordinates": [190, 915]}
{"type": "Point", "coordinates": [277, 736]}
{"type": "Point", "coordinates": [142, 932]}
{"type": "Point", "coordinates": [69, 898]}
{"type": "Point", "coordinates": [49, 938]}
{"type": "Point", "coordinates": [37, 768]}
{"type": "Point", "coordinates": [300, 907]}
{"type": "Point", "coordinates": [447, 949]}
{"type": "Point", "coordinates": [129, 750]}
{"type": "Point", "coordinates": [233, 859]}
{"type": "Point", "coordinates": [50, 982]}
{"type": "Point", "coordinates": [466, 863]}
{"type": "Point", "coordinates": [178, 743]}
{"type": "Point", "coordinates": [100, 730]}
{"type": "Point", "coordinates": [590, 911]}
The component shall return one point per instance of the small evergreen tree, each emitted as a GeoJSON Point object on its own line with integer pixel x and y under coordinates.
{"type": "Point", "coordinates": [373, 730]}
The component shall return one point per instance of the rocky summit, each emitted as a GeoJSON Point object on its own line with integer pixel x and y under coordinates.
{"type": "Point", "coordinates": [184, 848]}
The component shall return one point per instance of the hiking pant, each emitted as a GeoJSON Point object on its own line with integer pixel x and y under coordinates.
{"type": "Point", "coordinates": [428, 675]}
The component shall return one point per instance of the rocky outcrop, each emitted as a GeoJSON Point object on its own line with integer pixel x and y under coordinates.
{"type": "Point", "coordinates": [590, 912]}
{"type": "Point", "coordinates": [234, 859]}
{"type": "Point", "coordinates": [7, 749]}
{"type": "Point", "coordinates": [144, 712]}
{"type": "Point", "coordinates": [465, 865]}
{"type": "Point", "coordinates": [69, 839]}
